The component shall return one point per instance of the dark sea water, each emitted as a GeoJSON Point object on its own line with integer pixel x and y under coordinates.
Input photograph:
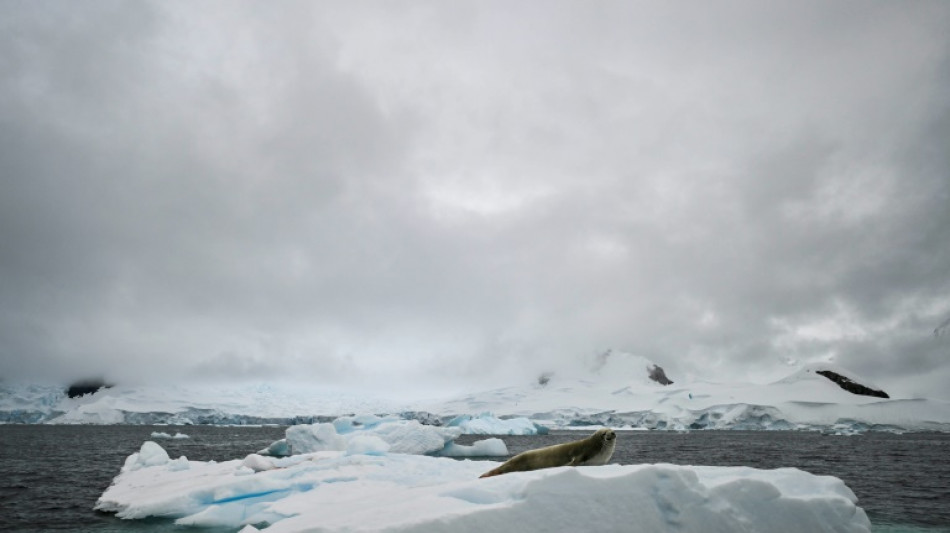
{"type": "Point", "coordinates": [51, 476]}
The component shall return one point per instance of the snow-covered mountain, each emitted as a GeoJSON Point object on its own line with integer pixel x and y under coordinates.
{"type": "Point", "coordinates": [619, 393]}
{"type": "Point", "coordinates": [280, 403]}
{"type": "Point", "coordinates": [806, 399]}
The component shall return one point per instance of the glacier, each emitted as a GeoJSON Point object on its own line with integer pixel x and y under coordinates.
{"type": "Point", "coordinates": [332, 491]}
{"type": "Point", "coordinates": [614, 397]}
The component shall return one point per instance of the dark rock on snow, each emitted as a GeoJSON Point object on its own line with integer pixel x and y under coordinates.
{"type": "Point", "coordinates": [86, 386]}
{"type": "Point", "coordinates": [658, 375]}
{"type": "Point", "coordinates": [852, 386]}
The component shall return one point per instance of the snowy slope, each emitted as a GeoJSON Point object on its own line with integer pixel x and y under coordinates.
{"type": "Point", "coordinates": [617, 393]}
{"type": "Point", "coordinates": [803, 400]}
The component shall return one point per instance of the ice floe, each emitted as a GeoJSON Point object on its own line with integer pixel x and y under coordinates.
{"type": "Point", "coordinates": [332, 491]}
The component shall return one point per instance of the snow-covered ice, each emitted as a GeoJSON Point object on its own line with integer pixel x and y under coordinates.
{"type": "Point", "coordinates": [335, 491]}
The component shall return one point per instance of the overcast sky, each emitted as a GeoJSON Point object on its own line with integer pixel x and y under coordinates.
{"type": "Point", "coordinates": [470, 193]}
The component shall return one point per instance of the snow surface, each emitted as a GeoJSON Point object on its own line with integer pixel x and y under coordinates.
{"type": "Point", "coordinates": [617, 394]}
{"type": "Point", "coordinates": [335, 491]}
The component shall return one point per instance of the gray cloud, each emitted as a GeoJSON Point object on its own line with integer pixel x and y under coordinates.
{"type": "Point", "coordinates": [460, 192]}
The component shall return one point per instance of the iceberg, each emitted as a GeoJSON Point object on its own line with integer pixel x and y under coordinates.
{"type": "Point", "coordinates": [336, 491]}
{"type": "Point", "coordinates": [482, 448]}
{"type": "Point", "coordinates": [373, 435]}
{"type": "Point", "coordinates": [488, 424]}
{"type": "Point", "coordinates": [400, 436]}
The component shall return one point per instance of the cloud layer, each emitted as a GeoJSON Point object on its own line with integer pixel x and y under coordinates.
{"type": "Point", "coordinates": [472, 192]}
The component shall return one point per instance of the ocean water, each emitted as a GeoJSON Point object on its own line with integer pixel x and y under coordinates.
{"type": "Point", "coordinates": [51, 476]}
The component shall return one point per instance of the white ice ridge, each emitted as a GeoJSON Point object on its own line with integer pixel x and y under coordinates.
{"type": "Point", "coordinates": [333, 491]}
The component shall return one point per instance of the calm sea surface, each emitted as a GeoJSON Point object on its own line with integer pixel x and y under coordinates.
{"type": "Point", "coordinates": [51, 476]}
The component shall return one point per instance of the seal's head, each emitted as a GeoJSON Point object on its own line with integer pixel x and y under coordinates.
{"type": "Point", "coordinates": [601, 447]}
{"type": "Point", "coordinates": [606, 436]}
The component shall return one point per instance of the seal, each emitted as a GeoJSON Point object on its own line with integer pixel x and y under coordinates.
{"type": "Point", "coordinates": [592, 451]}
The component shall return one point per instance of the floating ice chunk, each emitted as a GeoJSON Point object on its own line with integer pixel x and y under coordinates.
{"type": "Point", "coordinates": [399, 436]}
{"type": "Point", "coordinates": [480, 448]}
{"type": "Point", "coordinates": [163, 435]}
{"type": "Point", "coordinates": [488, 424]}
{"type": "Point", "coordinates": [348, 424]}
{"type": "Point", "coordinates": [366, 445]}
{"type": "Point", "coordinates": [309, 438]}
{"type": "Point", "coordinates": [278, 448]}
{"type": "Point", "coordinates": [411, 437]}
{"type": "Point", "coordinates": [150, 454]}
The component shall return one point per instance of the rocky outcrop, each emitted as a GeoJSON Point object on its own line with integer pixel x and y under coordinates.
{"type": "Point", "coordinates": [852, 386]}
{"type": "Point", "coordinates": [86, 386]}
{"type": "Point", "coordinates": [658, 375]}
{"type": "Point", "coordinates": [545, 378]}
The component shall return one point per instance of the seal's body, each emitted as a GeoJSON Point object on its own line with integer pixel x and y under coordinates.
{"type": "Point", "coordinates": [592, 451]}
